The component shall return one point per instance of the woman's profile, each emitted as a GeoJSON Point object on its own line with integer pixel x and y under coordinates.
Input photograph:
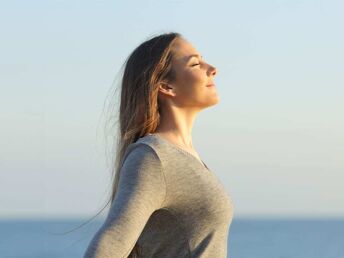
{"type": "Point", "coordinates": [165, 201]}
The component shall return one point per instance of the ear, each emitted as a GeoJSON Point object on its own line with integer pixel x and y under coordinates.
{"type": "Point", "coordinates": [167, 89]}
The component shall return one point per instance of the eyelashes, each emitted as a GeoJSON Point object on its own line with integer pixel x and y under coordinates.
{"type": "Point", "coordinates": [195, 64]}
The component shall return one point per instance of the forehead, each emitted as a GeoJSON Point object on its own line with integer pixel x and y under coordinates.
{"type": "Point", "coordinates": [183, 50]}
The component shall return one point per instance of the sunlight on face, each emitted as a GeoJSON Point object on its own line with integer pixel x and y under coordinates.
{"type": "Point", "coordinates": [193, 75]}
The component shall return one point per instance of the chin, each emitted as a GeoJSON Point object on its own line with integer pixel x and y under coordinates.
{"type": "Point", "coordinates": [216, 100]}
{"type": "Point", "coordinates": [213, 102]}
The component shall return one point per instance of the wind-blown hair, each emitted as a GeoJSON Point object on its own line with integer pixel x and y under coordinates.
{"type": "Point", "coordinates": [149, 65]}
{"type": "Point", "coordinates": [145, 69]}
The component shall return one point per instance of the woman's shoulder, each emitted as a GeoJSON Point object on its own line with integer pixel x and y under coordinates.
{"type": "Point", "coordinates": [145, 146]}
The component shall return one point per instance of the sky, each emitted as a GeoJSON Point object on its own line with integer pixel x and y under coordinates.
{"type": "Point", "coordinates": [275, 139]}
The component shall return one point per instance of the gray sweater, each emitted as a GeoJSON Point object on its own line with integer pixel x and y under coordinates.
{"type": "Point", "coordinates": [168, 202]}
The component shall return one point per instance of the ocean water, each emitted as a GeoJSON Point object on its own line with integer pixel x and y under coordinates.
{"type": "Point", "coordinates": [248, 238]}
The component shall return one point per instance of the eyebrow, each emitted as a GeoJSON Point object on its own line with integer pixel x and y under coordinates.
{"type": "Point", "coordinates": [194, 55]}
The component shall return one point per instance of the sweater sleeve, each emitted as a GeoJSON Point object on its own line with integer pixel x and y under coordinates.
{"type": "Point", "coordinates": [141, 191]}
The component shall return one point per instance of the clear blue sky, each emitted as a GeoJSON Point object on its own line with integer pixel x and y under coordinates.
{"type": "Point", "coordinates": [275, 140]}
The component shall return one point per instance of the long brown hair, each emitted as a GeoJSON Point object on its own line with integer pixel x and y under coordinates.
{"type": "Point", "coordinates": [148, 66]}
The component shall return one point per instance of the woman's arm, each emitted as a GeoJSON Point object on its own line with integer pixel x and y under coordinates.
{"type": "Point", "coordinates": [141, 191]}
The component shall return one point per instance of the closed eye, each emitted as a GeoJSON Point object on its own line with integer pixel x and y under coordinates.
{"type": "Point", "coordinates": [195, 64]}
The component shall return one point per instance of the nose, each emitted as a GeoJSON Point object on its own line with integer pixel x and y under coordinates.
{"type": "Point", "coordinates": [213, 70]}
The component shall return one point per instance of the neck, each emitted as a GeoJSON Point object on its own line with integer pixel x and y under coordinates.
{"type": "Point", "coordinates": [176, 125]}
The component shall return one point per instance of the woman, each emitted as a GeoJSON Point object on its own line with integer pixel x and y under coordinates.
{"type": "Point", "coordinates": [165, 202]}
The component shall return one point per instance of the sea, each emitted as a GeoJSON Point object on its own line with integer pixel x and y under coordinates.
{"type": "Point", "coordinates": [247, 238]}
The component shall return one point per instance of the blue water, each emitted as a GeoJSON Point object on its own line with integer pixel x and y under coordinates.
{"type": "Point", "coordinates": [248, 238]}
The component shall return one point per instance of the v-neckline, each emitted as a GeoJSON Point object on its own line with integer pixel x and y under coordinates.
{"type": "Point", "coordinates": [200, 161]}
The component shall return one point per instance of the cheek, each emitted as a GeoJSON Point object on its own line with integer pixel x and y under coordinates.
{"type": "Point", "coordinates": [190, 83]}
{"type": "Point", "coordinates": [194, 79]}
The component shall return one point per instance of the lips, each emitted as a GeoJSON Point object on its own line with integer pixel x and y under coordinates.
{"type": "Point", "coordinates": [211, 85]}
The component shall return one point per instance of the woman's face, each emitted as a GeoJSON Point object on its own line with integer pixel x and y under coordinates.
{"type": "Point", "coordinates": [193, 75]}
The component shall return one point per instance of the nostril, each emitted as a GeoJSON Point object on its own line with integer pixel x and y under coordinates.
{"type": "Point", "coordinates": [215, 71]}
{"type": "Point", "coordinates": [212, 70]}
